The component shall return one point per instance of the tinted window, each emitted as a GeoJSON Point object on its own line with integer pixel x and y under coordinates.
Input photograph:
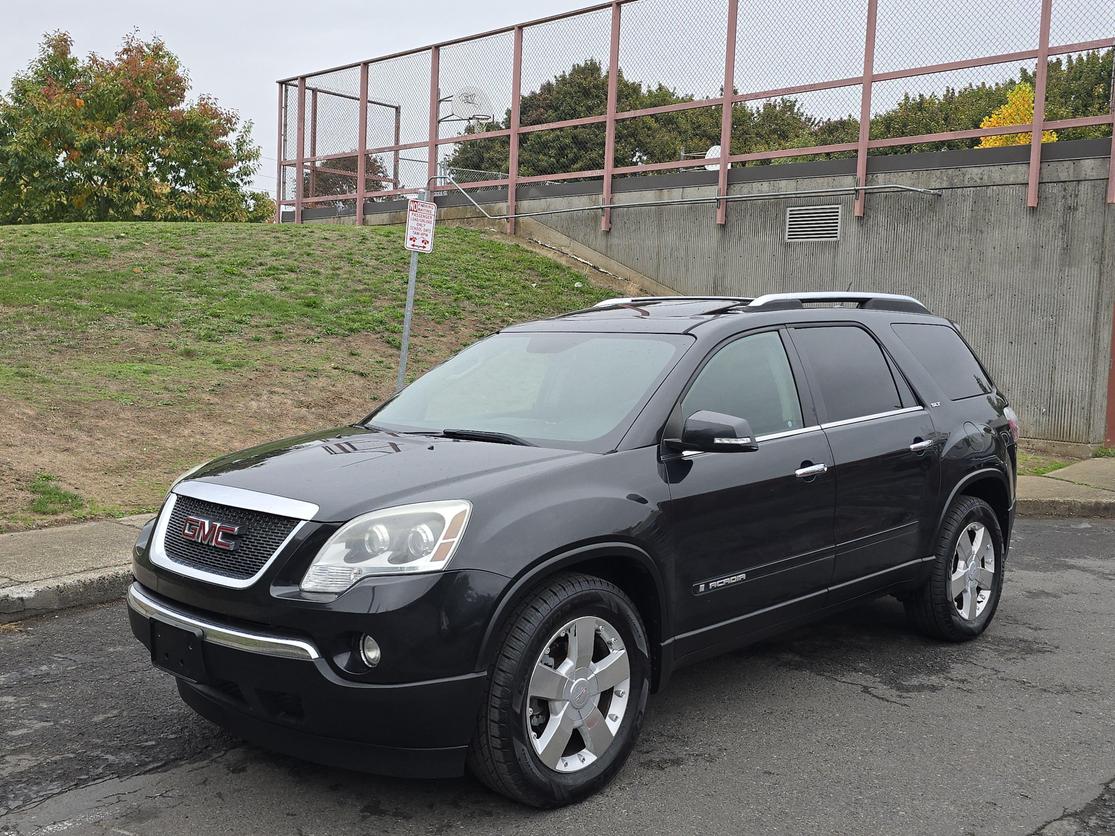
{"type": "Point", "coordinates": [947, 359]}
{"type": "Point", "coordinates": [749, 378]}
{"type": "Point", "coordinates": [850, 370]}
{"type": "Point", "coordinates": [552, 388]}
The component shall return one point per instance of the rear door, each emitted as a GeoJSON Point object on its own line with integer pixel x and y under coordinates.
{"type": "Point", "coordinates": [885, 454]}
{"type": "Point", "coordinates": [748, 532]}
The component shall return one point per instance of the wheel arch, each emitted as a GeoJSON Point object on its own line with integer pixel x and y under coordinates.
{"type": "Point", "coordinates": [992, 486]}
{"type": "Point", "coordinates": [626, 565]}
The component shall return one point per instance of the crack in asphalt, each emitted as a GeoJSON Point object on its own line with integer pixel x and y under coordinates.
{"type": "Point", "coordinates": [1096, 818]}
{"type": "Point", "coordinates": [747, 742]}
{"type": "Point", "coordinates": [864, 688]}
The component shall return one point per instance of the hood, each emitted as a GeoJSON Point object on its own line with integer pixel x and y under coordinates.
{"type": "Point", "coordinates": [352, 470]}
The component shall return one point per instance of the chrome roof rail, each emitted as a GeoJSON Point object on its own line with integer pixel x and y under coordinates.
{"type": "Point", "coordinates": [629, 300]}
{"type": "Point", "coordinates": [878, 301]}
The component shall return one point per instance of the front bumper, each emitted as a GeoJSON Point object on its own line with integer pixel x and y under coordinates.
{"type": "Point", "coordinates": [276, 690]}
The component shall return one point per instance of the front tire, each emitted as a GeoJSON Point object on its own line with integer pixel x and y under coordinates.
{"type": "Point", "coordinates": [959, 600]}
{"type": "Point", "coordinates": [567, 694]}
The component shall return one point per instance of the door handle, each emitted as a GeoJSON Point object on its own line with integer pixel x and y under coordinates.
{"type": "Point", "coordinates": [811, 470]}
{"type": "Point", "coordinates": [921, 446]}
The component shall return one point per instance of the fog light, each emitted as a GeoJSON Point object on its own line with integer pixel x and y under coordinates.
{"type": "Point", "coordinates": [369, 651]}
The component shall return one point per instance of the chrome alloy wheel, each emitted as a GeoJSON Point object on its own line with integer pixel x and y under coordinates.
{"type": "Point", "coordinates": [578, 694]}
{"type": "Point", "coordinates": [973, 571]}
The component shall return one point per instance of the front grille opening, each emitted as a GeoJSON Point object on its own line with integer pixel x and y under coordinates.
{"type": "Point", "coordinates": [813, 223]}
{"type": "Point", "coordinates": [280, 704]}
{"type": "Point", "coordinates": [260, 536]}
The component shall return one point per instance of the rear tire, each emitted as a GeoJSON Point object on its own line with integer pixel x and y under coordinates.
{"type": "Point", "coordinates": [962, 594]}
{"type": "Point", "coordinates": [566, 696]}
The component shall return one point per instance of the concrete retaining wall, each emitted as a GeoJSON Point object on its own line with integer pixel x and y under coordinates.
{"type": "Point", "coordinates": [1032, 289]}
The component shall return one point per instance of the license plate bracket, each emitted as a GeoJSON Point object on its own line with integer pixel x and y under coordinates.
{"type": "Point", "coordinates": [178, 650]}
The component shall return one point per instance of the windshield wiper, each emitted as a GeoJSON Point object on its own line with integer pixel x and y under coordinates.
{"type": "Point", "coordinates": [486, 435]}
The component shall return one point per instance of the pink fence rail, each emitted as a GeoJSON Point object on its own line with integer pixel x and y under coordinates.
{"type": "Point", "coordinates": [638, 86]}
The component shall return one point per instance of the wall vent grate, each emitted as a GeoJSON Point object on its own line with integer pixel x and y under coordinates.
{"type": "Point", "coordinates": [813, 223]}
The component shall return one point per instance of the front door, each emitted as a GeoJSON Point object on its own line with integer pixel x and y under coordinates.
{"type": "Point", "coordinates": [751, 531]}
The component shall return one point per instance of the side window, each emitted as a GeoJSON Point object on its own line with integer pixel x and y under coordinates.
{"type": "Point", "coordinates": [749, 378]}
{"type": "Point", "coordinates": [850, 371]}
{"type": "Point", "coordinates": [947, 359]}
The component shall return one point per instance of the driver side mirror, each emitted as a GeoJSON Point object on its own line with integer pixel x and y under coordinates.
{"type": "Point", "coordinates": [714, 432]}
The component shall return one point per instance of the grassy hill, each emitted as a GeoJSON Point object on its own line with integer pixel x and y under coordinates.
{"type": "Point", "coordinates": [130, 352]}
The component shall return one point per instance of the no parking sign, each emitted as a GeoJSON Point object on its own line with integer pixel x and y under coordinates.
{"type": "Point", "coordinates": [421, 215]}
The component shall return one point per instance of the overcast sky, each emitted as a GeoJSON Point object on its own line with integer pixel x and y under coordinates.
{"type": "Point", "coordinates": [236, 50]}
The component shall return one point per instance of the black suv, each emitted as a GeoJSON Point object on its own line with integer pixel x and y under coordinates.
{"type": "Point", "coordinates": [497, 566]}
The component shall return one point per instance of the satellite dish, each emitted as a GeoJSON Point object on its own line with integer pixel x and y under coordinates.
{"type": "Point", "coordinates": [713, 153]}
{"type": "Point", "coordinates": [472, 104]}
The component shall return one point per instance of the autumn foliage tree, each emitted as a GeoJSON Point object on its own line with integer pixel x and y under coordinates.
{"type": "Point", "coordinates": [1077, 86]}
{"type": "Point", "coordinates": [1017, 110]}
{"type": "Point", "coordinates": [115, 139]}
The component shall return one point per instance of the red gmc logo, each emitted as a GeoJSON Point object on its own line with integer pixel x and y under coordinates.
{"type": "Point", "coordinates": [210, 533]}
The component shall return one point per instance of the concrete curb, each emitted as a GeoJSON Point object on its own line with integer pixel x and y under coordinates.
{"type": "Point", "coordinates": [1095, 508]}
{"type": "Point", "coordinates": [83, 589]}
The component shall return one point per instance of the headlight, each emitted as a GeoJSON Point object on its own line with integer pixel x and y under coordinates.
{"type": "Point", "coordinates": [394, 541]}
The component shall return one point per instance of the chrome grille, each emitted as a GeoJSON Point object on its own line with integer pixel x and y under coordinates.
{"type": "Point", "coordinates": [260, 536]}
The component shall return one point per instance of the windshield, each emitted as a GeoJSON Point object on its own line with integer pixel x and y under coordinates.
{"type": "Point", "coordinates": [552, 389]}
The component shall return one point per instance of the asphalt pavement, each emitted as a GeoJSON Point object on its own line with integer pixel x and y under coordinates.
{"type": "Point", "coordinates": [853, 725]}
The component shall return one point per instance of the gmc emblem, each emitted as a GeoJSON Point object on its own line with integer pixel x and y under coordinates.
{"type": "Point", "coordinates": [210, 533]}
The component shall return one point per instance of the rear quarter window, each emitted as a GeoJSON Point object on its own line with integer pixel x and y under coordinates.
{"type": "Point", "coordinates": [947, 358]}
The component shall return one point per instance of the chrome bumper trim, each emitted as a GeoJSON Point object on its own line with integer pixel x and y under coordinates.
{"type": "Point", "coordinates": [214, 633]}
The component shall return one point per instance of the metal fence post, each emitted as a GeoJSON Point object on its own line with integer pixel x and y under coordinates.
{"type": "Point", "coordinates": [362, 146]}
{"type": "Point", "coordinates": [313, 143]}
{"type": "Point", "coordinates": [513, 157]}
{"type": "Point", "coordinates": [610, 125]}
{"type": "Point", "coordinates": [435, 105]}
{"type": "Point", "coordinates": [396, 183]}
{"type": "Point", "coordinates": [1039, 104]}
{"type": "Point", "coordinates": [865, 107]}
{"type": "Point", "coordinates": [726, 112]}
{"type": "Point", "coordinates": [1111, 161]}
{"type": "Point", "coordinates": [299, 184]}
{"type": "Point", "coordinates": [280, 153]}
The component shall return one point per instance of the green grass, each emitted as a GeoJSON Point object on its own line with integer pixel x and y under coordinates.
{"type": "Point", "coordinates": [1105, 453]}
{"type": "Point", "coordinates": [51, 499]}
{"type": "Point", "coordinates": [1032, 464]}
{"type": "Point", "coordinates": [217, 298]}
{"type": "Point", "coordinates": [131, 351]}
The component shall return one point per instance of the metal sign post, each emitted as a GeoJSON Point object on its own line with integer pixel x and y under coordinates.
{"type": "Point", "coordinates": [421, 216]}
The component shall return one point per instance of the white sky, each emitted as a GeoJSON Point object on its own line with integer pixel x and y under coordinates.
{"type": "Point", "coordinates": [236, 50]}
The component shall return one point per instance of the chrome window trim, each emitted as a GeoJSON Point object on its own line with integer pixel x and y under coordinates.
{"type": "Point", "coordinates": [264, 644]}
{"type": "Point", "coordinates": [249, 500]}
{"type": "Point", "coordinates": [160, 558]}
{"type": "Point", "coordinates": [691, 454]}
{"type": "Point", "coordinates": [863, 418]}
{"type": "Point", "coordinates": [787, 433]}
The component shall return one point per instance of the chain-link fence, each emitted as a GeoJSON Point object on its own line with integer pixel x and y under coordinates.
{"type": "Point", "coordinates": [638, 86]}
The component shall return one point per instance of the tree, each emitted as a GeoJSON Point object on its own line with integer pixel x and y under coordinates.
{"type": "Point", "coordinates": [338, 176]}
{"type": "Point", "coordinates": [1018, 110]}
{"type": "Point", "coordinates": [956, 109]}
{"type": "Point", "coordinates": [1077, 86]}
{"type": "Point", "coordinates": [663, 137]}
{"type": "Point", "coordinates": [115, 139]}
